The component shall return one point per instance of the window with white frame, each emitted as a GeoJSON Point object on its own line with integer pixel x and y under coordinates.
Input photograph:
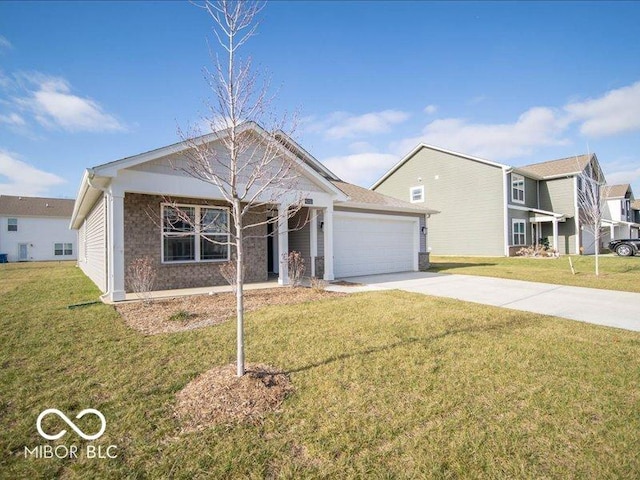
{"type": "Point", "coordinates": [194, 233]}
{"type": "Point", "coordinates": [518, 232]}
{"type": "Point", "coordinates": [517, 188]}
{"type": "Point", "coordinates": [416, 194]}
{"type": "Point", "coordinates": [62, 249]}
{"type": "Point", "coordinates": [12, 225]}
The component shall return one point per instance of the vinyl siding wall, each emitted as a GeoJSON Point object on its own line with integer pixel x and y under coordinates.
{"type": "Point", "coordinates": [559, 196]}
{"type": "Point", "coordinates": [92, 255]}
{"type": "Point", "coordinates": [468, 194]}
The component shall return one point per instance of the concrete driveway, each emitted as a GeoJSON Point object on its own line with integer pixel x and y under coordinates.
{"type": "Point", "coordinates": [602, 307]}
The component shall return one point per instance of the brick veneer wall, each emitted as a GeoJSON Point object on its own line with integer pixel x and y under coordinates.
{"type": "Point", "coordinates": [142, 237]}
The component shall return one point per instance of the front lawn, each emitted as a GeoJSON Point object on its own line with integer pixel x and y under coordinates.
{"type": "Point", "coordinates": [387, 385]}
{"type": "Point", "coordinates": [616, 273]}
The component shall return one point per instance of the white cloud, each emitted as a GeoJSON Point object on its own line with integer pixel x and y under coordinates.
{"type": "Point", "coordinates": [13, 119]}
{"type": "Point", "coordinates": [341, 125]}
{"type": "Point", "coordinates": [5, 44]}
{"type": "Point", "coordinates": [536, 127]}
{"type": "Point", "coordinates": [617, 111]}
{"type": "Point", "coordinates": [430, 109]}
{"type": "Point", "coordinates": [360, 168]}
{"type": "Point", "coordinates": [631, 175]}
{"type": "Point", "coordinates": [24, 179]}
{"type": "Point", "coordinates": [54, 106]}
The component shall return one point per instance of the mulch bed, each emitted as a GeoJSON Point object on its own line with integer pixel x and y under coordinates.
{"type": "Point", "coordinates": [197, 311]}
{"type": "Point", "coordinates": [219, 397]}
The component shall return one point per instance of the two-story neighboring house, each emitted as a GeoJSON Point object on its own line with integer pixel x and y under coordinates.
{"type": "Point", "coordinates": [621, 217]}
{"type": "Point", "coordinates": [492, 209]}
{"type": "Point", "coordinates": [36, 228]}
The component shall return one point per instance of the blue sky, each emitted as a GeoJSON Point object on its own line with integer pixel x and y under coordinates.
{"type": "Point", "coordinates": [514, 82]}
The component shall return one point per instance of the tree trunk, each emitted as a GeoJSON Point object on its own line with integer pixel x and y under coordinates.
{"type": "Point", "coordinates": [237, 220]}
{"type": "Point", "coordinates": [597, 240]}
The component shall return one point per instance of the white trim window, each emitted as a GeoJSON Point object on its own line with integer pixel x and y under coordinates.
{"type": "Point", "coordinates": [416, 194]}
{"type": "Point", "coordinates": [62, 249]}
{"type": "Point", "coordinates": [195, 233]}
{"type": "Point", "coordinates": [518, 232]}
{"type": "Point", "coordinates": [12, 225]}
{"type": "Point", "coordinates": [517, 188]}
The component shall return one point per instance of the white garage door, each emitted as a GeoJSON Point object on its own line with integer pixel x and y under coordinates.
{"type": "Point", "coordinates": [366, 244]}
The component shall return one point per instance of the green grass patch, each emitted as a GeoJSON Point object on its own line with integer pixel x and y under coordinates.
{"type": "Point", "coordinates": [616, 273]}
{"type": "Point", "coordinates": [387, 385]}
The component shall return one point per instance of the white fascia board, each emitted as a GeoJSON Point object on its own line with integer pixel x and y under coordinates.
{"type": "Point", "coordinates": [419, 147]}
{"type": "Point", "coordinates": [385, 208]}
{"type": "Point", "coordinates": [148, 183]}
{"type": "Point", "coordinates": [537, 210]}
{"type": "Point", "coordinates": [91, 188]}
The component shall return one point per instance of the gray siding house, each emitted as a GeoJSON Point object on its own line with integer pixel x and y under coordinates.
{"type": "Point", "coordinates": [493, 209]}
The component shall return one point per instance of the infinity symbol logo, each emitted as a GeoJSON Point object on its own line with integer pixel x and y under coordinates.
{"type": "Point", "coordinates": [71, 424]}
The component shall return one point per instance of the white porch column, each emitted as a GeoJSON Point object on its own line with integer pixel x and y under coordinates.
{"type": "Point", "coordinates": [115, 247]}
{"type": "Point", "coordinates": [313, 240]}
{"type": "Point", "coordinates": [612, 230]}
{"type": "Point", "coordinates": [283, 243]}
{"type": "Point", "coordinates": [555, 235]}
{"type": "Point", "coordinates": [328, 243]}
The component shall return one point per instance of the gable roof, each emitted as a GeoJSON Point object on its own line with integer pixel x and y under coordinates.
{"type": "Point", "coordinates": [635, 204]}
{"type": "Point", "coordinates": [95, 179]}
{"type": "Point", "coordinates": [35, 206]}
{"type": "Point", "coordinates": [557, 168]}
{"type": "Point", "coordinates": [419, 147]}
{"type": "Point", "coordinates": [360, 197]}
{"type": "Point", "coordinates": [616, 191]}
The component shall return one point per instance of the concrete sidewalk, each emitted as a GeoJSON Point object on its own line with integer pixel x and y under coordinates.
{"type": "Point", "coordinates": [602, 307]}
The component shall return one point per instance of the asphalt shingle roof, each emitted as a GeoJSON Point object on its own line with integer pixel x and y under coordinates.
{"type": "Point", "coordinates": [35, 206]}
{"type": "Point", "coordinates": [365, 196]}
{"type": "Point", "coordinates": [616, 191]}
{"type": "Point", "coordinates": [563, 166]}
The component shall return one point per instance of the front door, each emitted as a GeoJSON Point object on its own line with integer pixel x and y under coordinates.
{"type": "Point", "coordinates": [23, 252]}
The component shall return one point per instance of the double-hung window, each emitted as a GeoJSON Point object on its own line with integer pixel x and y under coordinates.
{"type": "Point", "coordinates": [12, 224]}
{"type": "Point", "coordinates": [416, 194]}
{"type": "Point", "coordinates": [62, 249]}
{"type": "Point", "coordinates": [518, 231]}
{"type": "Point", "coordinates": [517, 188]}
{"type": "Point", "coordinates": [194, 233]}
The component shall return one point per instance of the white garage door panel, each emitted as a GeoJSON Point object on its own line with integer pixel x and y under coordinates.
{"type": "Point", "coordinates": [366, 244]}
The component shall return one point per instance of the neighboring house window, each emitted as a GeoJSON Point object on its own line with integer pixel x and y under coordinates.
{"type": "Point", "coordinates": [60, 249]}
{"type": "Point", "coordinates": [194, 233]}
{"type": "Point", "coordinates": [517, 188]}
{"type": "Point", "coordinates": [12, 225]}
{"type": "Point", "coordinates": [416, 194]}
{"type": "Point", "coordinates": [519, 228]}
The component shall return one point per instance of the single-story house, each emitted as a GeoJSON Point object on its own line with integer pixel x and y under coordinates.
{"type": "Point", "coordinates": [36, 229]}
{"type": "Point", "coordinates": [343, 230]}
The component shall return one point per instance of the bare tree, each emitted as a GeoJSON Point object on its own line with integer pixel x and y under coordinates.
{"type": "Point", "coordinates": [591, 205]}
{"type": "Point", "coordinates": [250, 167]}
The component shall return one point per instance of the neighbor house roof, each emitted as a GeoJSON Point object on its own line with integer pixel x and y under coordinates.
{"type": "Point", "coordinates": [364, 198]}
{"type": "Point", "coordinates": [616, 191]}
{"type": "Point", "coordinates": [635, 204]}
{"type": "Point", "coordinates": [35, 206]}
{"type": "Point", "coordinates": [556, 168]}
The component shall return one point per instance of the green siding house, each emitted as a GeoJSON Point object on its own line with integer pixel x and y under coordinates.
{"type": "Point", "coordinates": [492, 209]}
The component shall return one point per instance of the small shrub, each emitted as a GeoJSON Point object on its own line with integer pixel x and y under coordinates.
{"type": "Point", "coordinates": [295, 266]}
{"type": "Point", "coordinates": [318, 284]}
{"type": "Point", "coordinates": [538, 251]}
{"type": "Point", "coordinates": [181, 316]}
{"type": "Point", "coordinates": [142, 277]}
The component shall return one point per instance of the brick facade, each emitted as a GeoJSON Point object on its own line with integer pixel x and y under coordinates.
{"type": "Point", "coordinates": [143, 237]}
